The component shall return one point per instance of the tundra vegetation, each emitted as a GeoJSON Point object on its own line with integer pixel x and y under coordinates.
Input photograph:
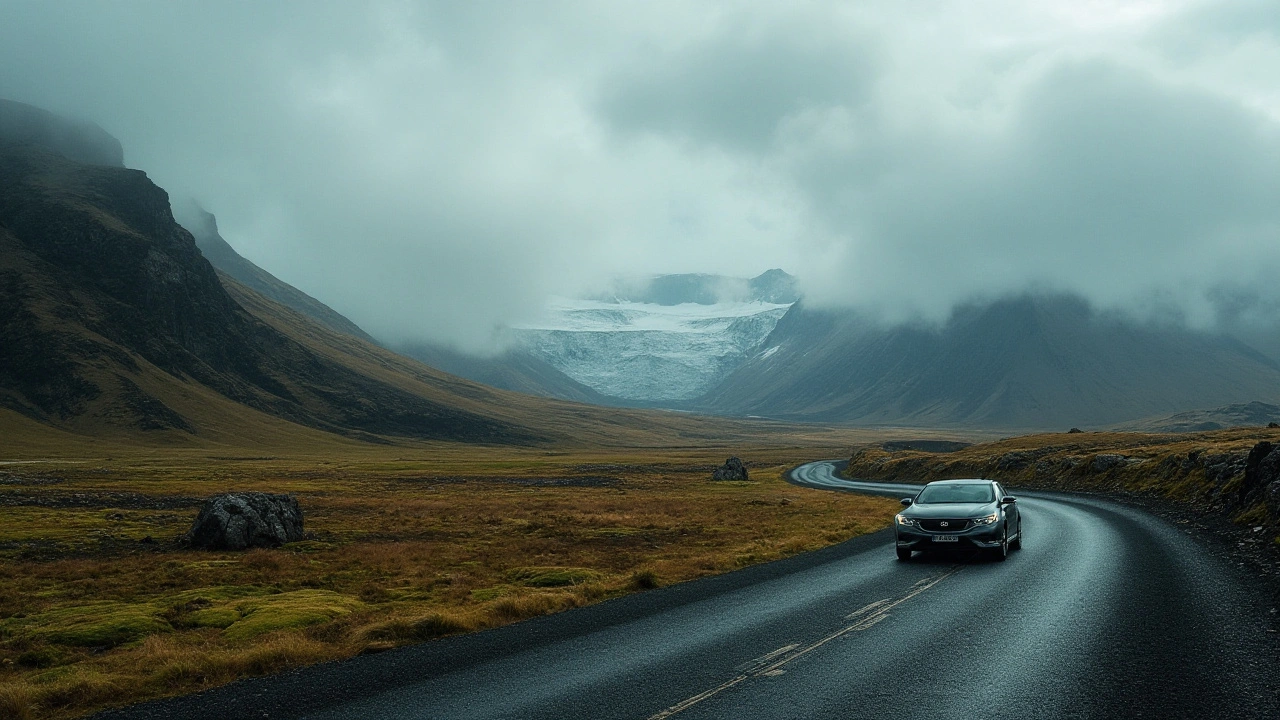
{"type": "Point", "coordinates": [1234, 472]}
{"type": "Point", "coordinates": [101, 605]}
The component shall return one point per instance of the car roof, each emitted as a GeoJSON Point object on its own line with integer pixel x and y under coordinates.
{"type": "Point", "coordinates": [961, 481]}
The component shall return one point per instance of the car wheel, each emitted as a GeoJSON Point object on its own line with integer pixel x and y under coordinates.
{"type": "Point", "coordinates": [1017, 542]}
{"type": "Point", "coordinates": [1002, 552]}
{"type": "Point", "coordinates": [904, 554]}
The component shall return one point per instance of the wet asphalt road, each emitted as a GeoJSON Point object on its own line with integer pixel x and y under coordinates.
{"type": "Point", "coordinates": [1106, 612]}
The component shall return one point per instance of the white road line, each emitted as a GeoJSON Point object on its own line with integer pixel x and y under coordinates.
{"type": "Point", "coordinates": [871, 614]}
{"type": "Point", "coordinates": [866, 609]}
{"type": "Point", "coordinates": [764, 659]}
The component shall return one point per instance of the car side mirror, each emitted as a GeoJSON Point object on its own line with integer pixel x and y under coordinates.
{"type": "Point", "coordinates": [1008, 500]}
{"type": "Point", "coordinates": [906, 501]}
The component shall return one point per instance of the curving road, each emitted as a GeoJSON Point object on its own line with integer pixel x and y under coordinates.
{"type": "Point", "coordinates": [1107, 612]}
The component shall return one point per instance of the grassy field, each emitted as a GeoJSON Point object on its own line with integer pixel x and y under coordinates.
{"type": "Point", "coordinates": [99, 605]}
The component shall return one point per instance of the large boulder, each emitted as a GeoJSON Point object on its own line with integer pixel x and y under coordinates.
{"type": "Point", "coordinates": [1261, 469]}
{"type": "Point", "coordinates": [236, 521]}
{"type": "Point", "coordinates": [732, 469]}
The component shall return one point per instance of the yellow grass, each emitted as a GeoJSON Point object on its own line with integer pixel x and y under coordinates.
{"type": "Point", "coordinates": [405, 544]}
{"type": "Point", "coordinates": [1168, 465]}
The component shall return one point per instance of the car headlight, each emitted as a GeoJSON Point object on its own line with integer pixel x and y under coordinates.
{"type": "Point", "coordinates": [988, 519]}
{"type": "Point", "coordinates": [904, 520]}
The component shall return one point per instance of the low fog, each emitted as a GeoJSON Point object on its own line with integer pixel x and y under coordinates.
{"type": "Point", "coordinates": [437, 171]}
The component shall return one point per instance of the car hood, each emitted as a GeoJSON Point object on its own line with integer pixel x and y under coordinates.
{"type": "Point", "coordinates": [949, 510]}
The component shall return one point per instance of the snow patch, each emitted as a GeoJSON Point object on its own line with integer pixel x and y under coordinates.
{"type": "Point", "coordinates": [644, 351]}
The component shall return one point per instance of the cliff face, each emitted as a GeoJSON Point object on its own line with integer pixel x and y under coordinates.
{"type": "Point", "coordinates": [99, 286]}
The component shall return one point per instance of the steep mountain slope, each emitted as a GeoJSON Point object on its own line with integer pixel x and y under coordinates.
{"type": "Point", "coordinates": [100, 289]}
{"type": "Point", "coordinates": [1021, 362]}
{"type": "Point", "coordinates": [515, 369]}
{"type": "Point", "coordinates": [204, 228]}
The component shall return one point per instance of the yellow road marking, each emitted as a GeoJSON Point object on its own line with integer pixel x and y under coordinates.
{"type": "Point", "coordinates": [762, 667]}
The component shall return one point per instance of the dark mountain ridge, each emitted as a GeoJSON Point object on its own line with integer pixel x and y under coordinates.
{"type": "Point", "coordinates": [99, 282]}
{"type": "Point", "coordinates": [1020, 362]}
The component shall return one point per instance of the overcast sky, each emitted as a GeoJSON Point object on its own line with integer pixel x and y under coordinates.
{"type": "Point", "coordinates": [436, 170]}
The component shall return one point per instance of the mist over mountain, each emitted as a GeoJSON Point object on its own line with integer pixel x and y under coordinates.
{"type": "Point", "coordinates": [112, 318]}
{"type": "Point", "coordinates": [203, 226]}
{"type": "Point", "coordinates": [1026, 361]}
{"type": "Point", "coordinates": [110, 310]}
{"type": "Point", "coordinates": [772, 286]}
{"type": "Point", "coordinates": [395, 157]}
{"type": "Point", "coordinates": [80, 141]}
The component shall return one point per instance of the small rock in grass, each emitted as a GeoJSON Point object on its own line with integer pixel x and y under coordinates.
{"type": "Point", "coordinates": [732, 469]}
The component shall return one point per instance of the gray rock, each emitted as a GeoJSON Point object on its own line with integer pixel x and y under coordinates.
{"type": "Point", "coordinates": [1261, 468]}
{"type": "Point", "coordinates": [1273, 501]}
{"type": "Point", "coordinates": [236, 521]}
{"type": "Point", "coordinates": [1103, 463]}
{"type": "Point", "coordinates": [732, 469]}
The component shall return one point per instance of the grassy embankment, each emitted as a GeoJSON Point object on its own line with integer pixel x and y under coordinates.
{"type": "Point", "coordinates": [404, 545]}
{"type": "Point", "coordinates": [1200, 470]}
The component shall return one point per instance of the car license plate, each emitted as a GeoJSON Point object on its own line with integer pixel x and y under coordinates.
{"type": "Point", "coordinates": [946, 538]}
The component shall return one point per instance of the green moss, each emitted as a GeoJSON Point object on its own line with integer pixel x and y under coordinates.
{"type": "Point", "coordinates": [545, 577]}
{"type": "Point", "coordinates": [218, 617]}
{"type": "Point", "coordinates": [296, 609]}
{"type": "Point", "coordinates": [489, 593]}
{"type": "Point", "coordinates": [100, 624]}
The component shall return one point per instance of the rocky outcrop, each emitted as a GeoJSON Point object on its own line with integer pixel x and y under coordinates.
{"type": "Point", "coordinates": [236, 521]}
{"type": "Point", "coordinates": [1261, 471]}
{"type": "Point", "coordinates": [732, 469]}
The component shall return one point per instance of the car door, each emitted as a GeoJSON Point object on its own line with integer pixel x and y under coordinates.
{"type": "Point", "coordinates": [1012, 515]}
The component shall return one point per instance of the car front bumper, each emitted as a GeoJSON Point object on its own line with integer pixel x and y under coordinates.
{"type": "Point", "coordinates": [915, 538]}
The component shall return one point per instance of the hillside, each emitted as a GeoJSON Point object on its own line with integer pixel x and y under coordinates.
{"type": "Point", "coordinates": [1254, 414]}
{"type": "Point", "coordinates": [116, 326]}
{"type": "Point", "coordinates": [1023, 362]}
{"type": "Point", "coordinates": [115, 318]}
{"type": "Point", "coordinates": [204, 228]}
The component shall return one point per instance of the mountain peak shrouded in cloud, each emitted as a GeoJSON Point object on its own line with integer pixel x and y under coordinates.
{"type": "Point", "coordinates": [80, 141]}
{"type": "Point", "coordinates": [437, 171]}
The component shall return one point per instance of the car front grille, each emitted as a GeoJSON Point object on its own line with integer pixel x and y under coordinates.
{"type": "Point", "coordinates": [945, 525]}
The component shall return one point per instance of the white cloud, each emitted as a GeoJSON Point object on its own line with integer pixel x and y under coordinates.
{"type": "Point", "coordinates": [436, 170]}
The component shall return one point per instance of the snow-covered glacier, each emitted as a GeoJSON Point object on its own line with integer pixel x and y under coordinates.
{"type": "Point", "coordinates": [646, 351]}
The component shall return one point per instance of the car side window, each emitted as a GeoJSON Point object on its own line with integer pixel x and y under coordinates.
{"type": "Point", "coordinates": [1000, 493]}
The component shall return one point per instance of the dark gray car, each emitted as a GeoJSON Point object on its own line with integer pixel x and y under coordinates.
{"type": "Point", "coordinates": [950, 514]}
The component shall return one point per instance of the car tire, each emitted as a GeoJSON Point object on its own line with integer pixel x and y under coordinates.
{"type": "Point", "coordinates": [904, 554]}
{"type": "Point", "coordinates": [1017, 542]}
{"type": "Point", "coordinates": [1002, 552]}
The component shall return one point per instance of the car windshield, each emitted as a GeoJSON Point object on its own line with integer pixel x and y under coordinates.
{"type": "Point", "coordinates": [959, 493]}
